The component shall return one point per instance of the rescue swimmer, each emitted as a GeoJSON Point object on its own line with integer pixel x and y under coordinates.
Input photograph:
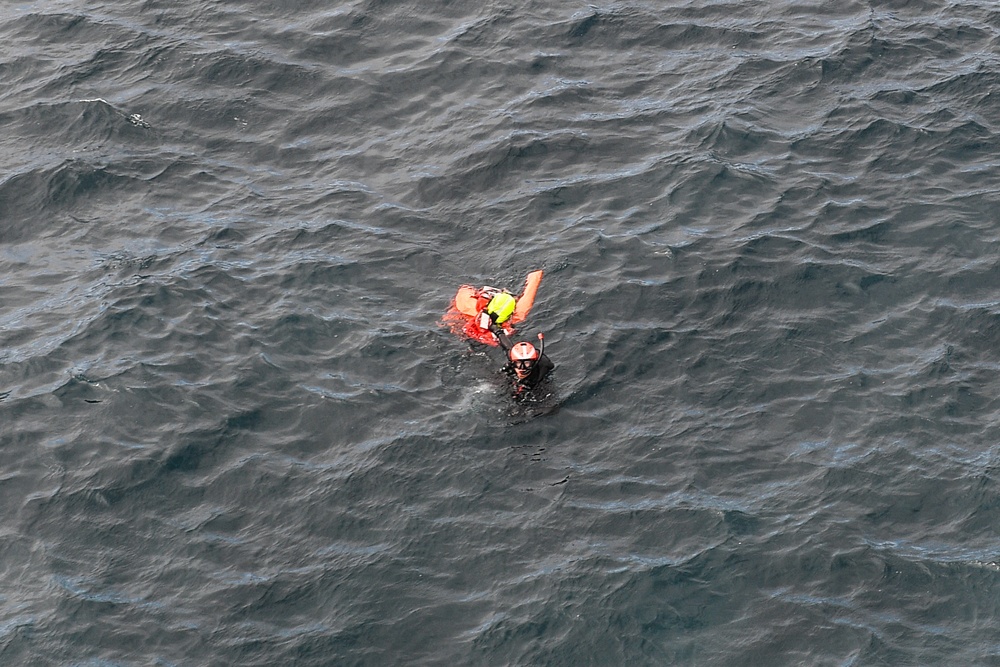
{"type": "Point", "coordinates": [526, 363]}
{"type": "Point", "coordinates": [487, 315]}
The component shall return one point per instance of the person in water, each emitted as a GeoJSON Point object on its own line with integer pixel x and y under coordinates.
{"type": "Point", "coordinates": [463, 316]}
{"type": "Point", "coordinates": [526, 363]}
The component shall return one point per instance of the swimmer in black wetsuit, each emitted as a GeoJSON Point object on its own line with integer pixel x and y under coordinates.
{"type": "Point", "coordinates": [528, 365]}
{"type": "Point", "coordinates": [525, 362]}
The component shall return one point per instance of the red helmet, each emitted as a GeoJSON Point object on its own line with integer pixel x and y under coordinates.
{"type": "Point", "coordinates": [523, 352]}
{"type": "Point", "coordinates": [522, 358]}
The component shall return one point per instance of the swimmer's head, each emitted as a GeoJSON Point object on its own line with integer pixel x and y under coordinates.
{"type": "Point", "coordinates": [523, 357]}
{"type": "Point", "coordinates": [484, 295]}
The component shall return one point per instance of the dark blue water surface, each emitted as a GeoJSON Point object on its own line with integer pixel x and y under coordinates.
{"type": "Point", "coordinates": [234, 432]}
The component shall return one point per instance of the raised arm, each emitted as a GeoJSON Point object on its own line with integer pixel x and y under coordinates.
{"type": "Point", "coordinates": [527, 298]}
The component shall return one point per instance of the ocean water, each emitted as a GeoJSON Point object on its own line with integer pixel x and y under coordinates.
{"type": "Point", "coordinates": [234, 432]}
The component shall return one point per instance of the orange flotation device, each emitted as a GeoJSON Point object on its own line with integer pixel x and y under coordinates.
{"type": "Point", "coordinates": [470, 301]}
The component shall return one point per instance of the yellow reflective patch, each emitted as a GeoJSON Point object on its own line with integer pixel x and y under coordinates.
{"type": "Point", "coordinates": [502, 305]}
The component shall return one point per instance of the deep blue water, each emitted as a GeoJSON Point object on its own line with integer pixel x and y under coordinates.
{"type": "Point", "coordinates": [234, 432]}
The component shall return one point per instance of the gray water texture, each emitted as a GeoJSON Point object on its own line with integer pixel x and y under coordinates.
{"type": "Point", "coordinates": [234, 432]}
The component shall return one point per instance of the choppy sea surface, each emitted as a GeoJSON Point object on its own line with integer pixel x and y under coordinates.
{"type": "Point", "coordinates": [234, 432]}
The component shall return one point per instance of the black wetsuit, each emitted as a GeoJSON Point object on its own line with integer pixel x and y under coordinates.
{"type": "Point", "coordinates": [541, 368]}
